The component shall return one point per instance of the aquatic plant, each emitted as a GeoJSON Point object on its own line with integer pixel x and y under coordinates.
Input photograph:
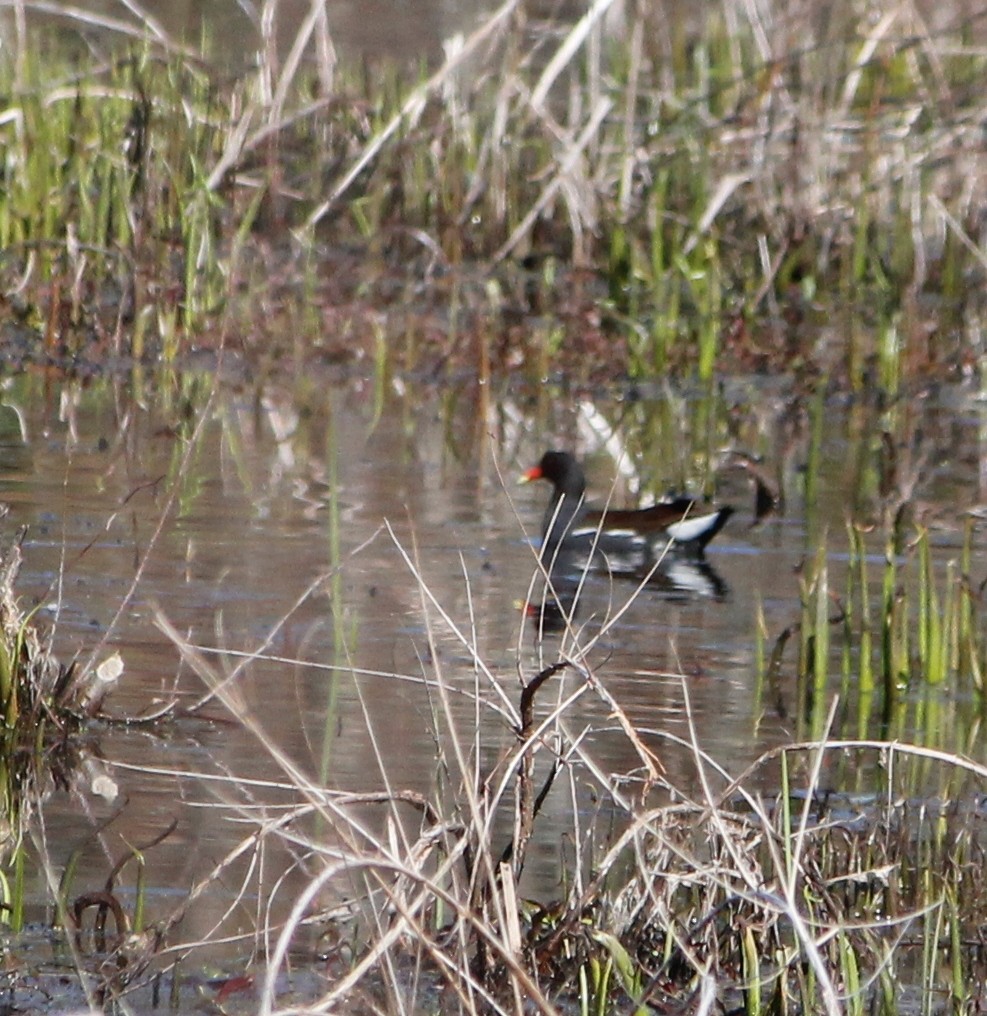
{"type": "Point", "coordinates": [680, 199]}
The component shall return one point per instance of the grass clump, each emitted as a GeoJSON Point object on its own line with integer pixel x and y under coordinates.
{"type": "Point", "coordinates": [49, 712]}
{"type": "Point", "coordinates": [727, 194]}
{"type": "Point", "coordinates": [45, 708]}
{"type": "Point", "coordinates": [903, 636]}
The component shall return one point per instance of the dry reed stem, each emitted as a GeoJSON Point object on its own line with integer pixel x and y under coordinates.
{"type": "Point", "coordinates": [562, 179]}
{"type": "Point", "coordinates": [411, 107]}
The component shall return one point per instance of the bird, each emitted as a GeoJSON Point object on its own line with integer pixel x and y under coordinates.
{"type": "Point", "coordinates": [569, 522]}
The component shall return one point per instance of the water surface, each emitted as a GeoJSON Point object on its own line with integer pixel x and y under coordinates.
{"type": "Point", "coordinates": [256, 522]}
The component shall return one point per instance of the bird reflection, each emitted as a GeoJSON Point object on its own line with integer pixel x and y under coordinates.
{"type": "Point", "coordinates": [567, 570]}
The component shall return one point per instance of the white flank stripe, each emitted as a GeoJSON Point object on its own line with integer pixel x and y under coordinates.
{"type": "Point", "coordinates": [691, 529]}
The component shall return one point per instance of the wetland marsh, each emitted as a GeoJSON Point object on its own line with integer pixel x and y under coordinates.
{"type": "Point", "coordinates": [277, 342]}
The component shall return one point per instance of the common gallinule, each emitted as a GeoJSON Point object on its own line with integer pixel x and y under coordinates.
{"type": "Point", "coordinates": [569, 521]}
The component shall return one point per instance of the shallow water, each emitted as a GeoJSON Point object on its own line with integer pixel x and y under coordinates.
{"type": "Point", "coordinates": [283, 528]}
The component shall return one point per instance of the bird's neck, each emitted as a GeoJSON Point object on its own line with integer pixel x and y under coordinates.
{"type": "Point", "coordinates": [562, 515]}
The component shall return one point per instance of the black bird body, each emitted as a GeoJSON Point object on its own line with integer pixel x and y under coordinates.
{"type": "Point", "coordinates": [568, 520]}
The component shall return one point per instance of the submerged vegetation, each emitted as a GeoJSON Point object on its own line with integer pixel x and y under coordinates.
{"type": "Point", "coordinates": [763, 191]}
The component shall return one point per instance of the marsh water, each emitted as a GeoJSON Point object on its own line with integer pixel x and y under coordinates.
{"type": "Point", "coordinates": [287, 521]}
